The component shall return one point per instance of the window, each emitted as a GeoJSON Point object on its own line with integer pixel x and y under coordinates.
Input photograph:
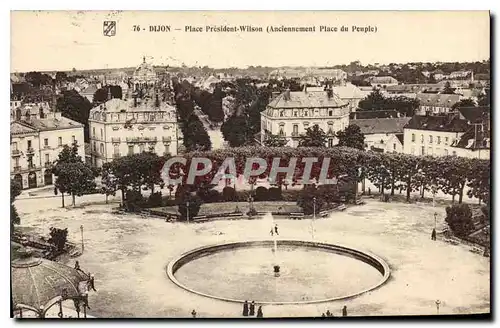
{"type": "Point", "coordinates": [281, 113]}
{"type": "Point", "coordinates": [281, 133]}
{"type": "Point", "coordinates": [46, 142]}
{"type": "Point", "coordinates": [429, 151]}
{"type": "Point", "coordinates": [95, 146]}
{"type": "Point", "coordinates": [93, 132]}
{"type": "Point", "coordinates": [141, 148]}
{"type": "Point", "coordinates": [102, 148]}
{"type": "Point", "coordinates": [330, 113]}
{"type": "Point", "coordinates": [59, 141]}
{"type": "Point", "coordinates": [430, 139]}
{"type": "Point", "coordinates": [330, 127]}
{"type": "Point", "coordinates": [422, 149]}
{"type": "Point", "coordinates": [101, 134]}
{"type": "Point", "coordinates": [14, 145]}
{"type": "Point", "coordinates": [116, 149]}
{"type": "Point", "coordinates": [29, 144]}
{"type": "Point", "coordinates": [306, 113]}
{"type": "Point", "coordinates": [131, 149]}
{"type": "Point", "coordinates": [413, 137]}
{"type": "Point", "coordinates": [295, 129]}
{"type": "Point", "coordinates": [295, 113]}
{"type": "Point", "coordinates": [16, 161]}
{"type": "Point", "coordinates": [421, 138]}
{"type": "Point", "coordinates": [47, 158]}
{"type": "Point", "coordinates": [394, 146]}
{"type": "Point", "coordinates": [73, 139]}
{"type": "Point", "coordinates": [446, 140]}
{"type": "Point", "coordinates": [438, 140]}
{"type": "Point", "coordinates": [330, 142]}
{"type": "Point", "coordinates": [30, 162]}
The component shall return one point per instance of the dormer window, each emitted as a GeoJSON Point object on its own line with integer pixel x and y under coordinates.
{"type": "Point", "coordinates": [330, 112]}
{"type": "Point", "coordinates": [306, 113]}
{"type": "Point", "coordinates": [295, 113]}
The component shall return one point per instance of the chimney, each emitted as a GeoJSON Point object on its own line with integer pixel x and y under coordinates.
{"type": "Point", "coordinates": [286, 95]}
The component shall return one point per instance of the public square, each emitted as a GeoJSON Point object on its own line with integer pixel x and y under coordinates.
{"type": "Point", "coordinates": [128, 255]}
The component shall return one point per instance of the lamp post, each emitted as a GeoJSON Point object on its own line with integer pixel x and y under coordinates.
{"type": "Point", "coordinates": [81, 230]}
{"type": "Point", "coordinates": [187, 211]}
{"type": "Point", "coordinates": [314, 217]}
{"type": "Point", "coordinates": [438, 302]}
{"type": "Point", "coordinates": [435, 220]}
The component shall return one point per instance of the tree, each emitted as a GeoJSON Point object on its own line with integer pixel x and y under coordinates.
{"type": "Point", "coordinates": [459, 219]}
{"type": "Point", "coordinates": [108, 181]}
{"type": "Point", "coordinates": [236, 131]}
{"type": "Point", "coordinates": [75, 107]}
{"type": "Point", "coordinates": [464, 103]}
{"type": "Point", "coordinates": [479, 180]}
{"type": "Point", "coordinates": [273, 140]}
{"type": "Point", "coordinates": [15, 190]}
{"type": "Point", "coordinates": [188, 201]}
{"type": "Point", "coordinates": [448, 90]}
{"type": "Point", "coordinates": [314, 137]}
{"type": "Point", "coordinates": [351, 137]}
{"type": "Point", "coordinates": [454, 171]}
{"type": "Point", "coordinates": [195, 135]}
{"type": "Point", "coordinates": [311, 199]}
{"type": "Point", "coordinates": [73, 176]}
{"type": "Point", "coordinates": [58, 238]}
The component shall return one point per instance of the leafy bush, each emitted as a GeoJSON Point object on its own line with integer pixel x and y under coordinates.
{"type": "Point", "coordinates": [306, 199]}
{"type": "Point", "coordinates": [274, 194]}
{"type": "Point", "coordinates": [155, 199]}
{"type": "Point", "coordinates": [229, 194]}
{"type": "Point", "coordinates": [195, 203]}
{"type": "Point", "coordinates": [134, 201]}
{"type": "Point", "coordinates": [261, 194]}
{"type": "Point", "coordinates": [58, 238]}
{"type": "Point", "coordinates": [459, 219]}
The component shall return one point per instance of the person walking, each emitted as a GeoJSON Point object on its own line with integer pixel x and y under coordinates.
{"type": "Point", "coordinates": [259, 312]}
{"type": "Point", "coordinates": [91, 283]}
{"type": "Point", "coordinates": [433, 234]}
{"type": "Point", "coordinates": [252, 309]}
{"type": "Point", "coordinates": [344, 311]}
{"type": "Point", "coordinates": [193, 313]}
{"type": "Point", "coordinates": [245, 309]}
{"type": "Point", "coordinates": [271, 232]}
{"type": "Point", "coordinates": [328, 313]}
{"type": "Point", "coordinates": [276, 229]}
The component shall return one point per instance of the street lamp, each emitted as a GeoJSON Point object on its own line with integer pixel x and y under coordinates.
{"type": "Point", "coordinates": [435, 220]}
{"type": "Point", "coordinates": [81, 230]}
{"type": "Point", "coordinates": [314, 217]}
{"type": "Point", "coordinates": [187, 210]}
{"type": "Point", "coordinates": [437, 306]}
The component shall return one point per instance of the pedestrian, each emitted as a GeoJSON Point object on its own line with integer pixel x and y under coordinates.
{"type": "Point", "coordinates": [193, 313]}
{"type": "Point", "coordinates": [259, 312]}
{"type": "Point", "coordinates": [344, 311]}
{"type": "Point", "coordinates": [369, 191]}
{"type": "Point", "coordinates": [276, 229]}
{"type": "Point", "coordinates": [252, 309]}
{"type": "Point", "coordinates": [433, 234]}
{"type": "Point", "coordinates": [271, 232]}
{"type": "Point", "coordinates": [245, 309]}
{"type": "Point", "coordinates": [328, 313]}
{"type": "Point", "coordinates": [91, 283]}
{"type": "Point", "coordinates": [323, 315]}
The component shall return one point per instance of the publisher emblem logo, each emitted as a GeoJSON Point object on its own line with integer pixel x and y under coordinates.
{"type": "Point", "coordinates": [109, 28]}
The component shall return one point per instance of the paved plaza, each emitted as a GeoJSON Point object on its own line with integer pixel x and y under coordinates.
{"type": "Point", "coordinates": [128, 255]}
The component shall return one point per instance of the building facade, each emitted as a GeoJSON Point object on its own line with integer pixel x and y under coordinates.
{"type": "Point", "coordinates": [124, 127]}
{"type": "Point", "coordinates": [290, 114]}
{"type": "Point", "coordinates": [385, 135]}
{"type": "Point", "coordinates": [37, 137]}
{"type": "Point", "coordinates": [436, 104]}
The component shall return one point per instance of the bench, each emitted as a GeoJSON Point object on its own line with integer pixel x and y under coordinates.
{"type": "Point", "coordinates": [359, 202]}
{"type": "Point", "coordinates": [296, 216]}
{"type": "Point", "coordinates": [235, 214]}
{"type": "Point", "coordinates": [323, 214]}
{"type": "Point", "coordinates": [200, 218]}
{"type": "Point", "coordinates": [341, 207]}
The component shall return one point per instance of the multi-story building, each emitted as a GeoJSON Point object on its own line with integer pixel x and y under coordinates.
{"type": "Point", "coordinates": [123, 127]}
{"type": "Point", "coordinates": [436, 104]}
{"type": "Point", "coordinates": [37, 137]}
{"type": "Point", "coordinates": [449, 135]}
{"type": "Point", "coordinates": [290, 114]}
{"type": "Point", "coordinates": [349, 93]}
{"type": "Point", "coordinates": [384, 135]}
{"type": "Point", "coordinates": [382, 81]}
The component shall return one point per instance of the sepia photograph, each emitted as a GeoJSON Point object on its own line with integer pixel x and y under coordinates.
{"type": "Point", "coordinates": [250, 164]}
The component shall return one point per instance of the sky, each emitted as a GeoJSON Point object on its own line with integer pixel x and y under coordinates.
{"type": "Point", "coordinates": [62, 40]}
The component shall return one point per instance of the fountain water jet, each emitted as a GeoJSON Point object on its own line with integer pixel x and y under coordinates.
{"type": "Point", "coordinates": [269, 220]}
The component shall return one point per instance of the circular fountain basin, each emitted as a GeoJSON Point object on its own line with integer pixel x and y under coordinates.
{"type": "Point", "coordinates": [310, 272]}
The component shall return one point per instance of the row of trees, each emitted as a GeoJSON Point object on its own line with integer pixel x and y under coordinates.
{"type": "Point", "coordinates": [210, 103]}
{"type": "Point", "coordinates": [376, 101]}
{"type": "Point", "coordinates": [195, 136]}
{"type": "Point", "coordinates": [101, 95]}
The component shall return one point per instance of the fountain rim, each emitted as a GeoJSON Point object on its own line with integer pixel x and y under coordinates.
{"type": "Point", "coordinates": [358, 254]}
